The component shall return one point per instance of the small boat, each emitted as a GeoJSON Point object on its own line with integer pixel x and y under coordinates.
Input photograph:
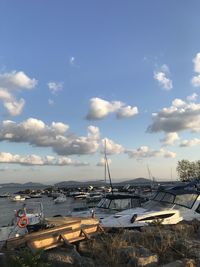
{"type": "Point", "coordinates": [27, 219]}
{"type": "Point", "coordinates": [111, 204]}
{"type": "Point", "coordinates": [166, 207]}
{"type": "Point", "coordinates": [37, 195]}
{"type": "Point", "coordinates": [81, 195]}
{"type": "Point", "coordinates": [94, 197]}
{"type": "Point", "coordinates": [60, 199]}
{"type": "Point", "coordinates": [17, 198]}
{"type": "Point", "coordinates": [4, 195]}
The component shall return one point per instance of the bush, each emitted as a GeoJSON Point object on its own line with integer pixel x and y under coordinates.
{"type": "Point", "coordinates": [25, 258]}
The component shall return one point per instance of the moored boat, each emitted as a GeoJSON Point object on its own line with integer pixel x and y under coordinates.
{"type": "Point", "coordinates": [166, 207]}
{"type": "Point", "coordinates": [60, 199]}
{"type": "Point", "coordinates": [17, 198]}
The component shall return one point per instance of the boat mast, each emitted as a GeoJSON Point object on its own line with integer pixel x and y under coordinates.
{"type": "Point", "coordinates": [107, 167]}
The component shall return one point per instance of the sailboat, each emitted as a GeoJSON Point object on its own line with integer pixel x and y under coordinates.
{"type": "Point", "coordinates": [111, 202]}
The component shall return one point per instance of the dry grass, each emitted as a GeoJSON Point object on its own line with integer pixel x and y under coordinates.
{"type": "Point", "coordinates": [159, 239]}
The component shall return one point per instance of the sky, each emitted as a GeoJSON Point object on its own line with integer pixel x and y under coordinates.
{"type": "Point", "coordinates": [75, 75]}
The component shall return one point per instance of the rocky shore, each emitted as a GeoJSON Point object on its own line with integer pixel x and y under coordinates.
{"type": "Point", "coordinates": [153, 246]}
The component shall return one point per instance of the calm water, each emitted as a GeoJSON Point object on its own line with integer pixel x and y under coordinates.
{"type": "Point", "coordinates": [7, 207]}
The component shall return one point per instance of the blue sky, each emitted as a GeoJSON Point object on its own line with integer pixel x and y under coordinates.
{"type": "Point", "coordinates": [73, 73]}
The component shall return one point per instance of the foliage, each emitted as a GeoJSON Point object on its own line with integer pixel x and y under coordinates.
{"type": "Point", "coordinates": [156, 222]}
{"type": "Point", "coordinates": [188, 170]}
{"type": "Point", "coordinates": [26, 259]}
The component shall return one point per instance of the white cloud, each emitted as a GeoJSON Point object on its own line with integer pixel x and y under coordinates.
{"type": "Point", "coordinates": [10, 84]}
{"type": "Point", "coordinates": [178, 103]}
{"type": "Point", "coordinates": [5, 95]}
{"type": "Point", "coordinates": [100, 108]}
{"type": "Point", "coordinates": [196, 62]}
{"type": "Point", "coordinates": [127, 112]}
{"type": "Point", "coordinates": [102, 162]}
{"type": "Point", "coordinates": [93, 132]}
{"type": "Point", "coordinates": [192, 97]}
{"type": "Point", "coordinates": [111, 147]}
{"type": "Point", "coordinates": [15, 108]}
{"type": "Point", "coordinates": [35, 132]}
{"type": "Point", "coordinates": [196, 79]}
{"type": "Point", "coordinates": [146, 152]}
{"type": "Point", "coordinates": [178, 117]}
{"type": "Point", "coordinates": [55, 87]}
{"type": "Point", "coordinates": [161, 77]}
{"type": "Point", "coordinates": [59, 127]}
{"type": "Point", "coordinates": [38, 160]}
{"type": "Point", "coordinates": [72, 60]}
{"type": "Point", "coordinates": [170, 139]}
{"type": "Point", "coordinates": [16, 80]}
{"type": "Point", "coordinates": [189, 143]}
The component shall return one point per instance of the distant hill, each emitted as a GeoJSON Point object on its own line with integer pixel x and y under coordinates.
{"type": "Point", "coordinates": [78, 183]}
{"type": "Point", "coordinates": [27, 185]}
{"type": "Point", "coordinates": [101, 182]}
{"type": "Point", "coordinates": [140, 180]}
{"type": "Point", "coordinates": [31, 184]}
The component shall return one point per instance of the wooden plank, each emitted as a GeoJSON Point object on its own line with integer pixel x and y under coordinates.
{"type": "Point", "coordinates": [71, 236]}
{"type": "Point", "coordinates": [18, 241]}
{"type": "Point", "coordinates": [44, 239]}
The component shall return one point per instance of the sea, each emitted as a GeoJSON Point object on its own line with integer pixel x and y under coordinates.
{"type": "Point", "coordinates": [8, 208]}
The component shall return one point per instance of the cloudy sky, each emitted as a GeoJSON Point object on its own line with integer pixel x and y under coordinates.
{"type": "Point", "coordinates": [76, 73]}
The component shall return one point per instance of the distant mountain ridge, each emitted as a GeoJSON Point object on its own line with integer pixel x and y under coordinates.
{"type": "Point", "coordinates": [102, 182]}
{"type": "Point", "coordinates": [70, 183]}
{"type": "Point", "coordinates": [27, 185]}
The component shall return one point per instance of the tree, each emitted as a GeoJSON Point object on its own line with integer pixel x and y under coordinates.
{"type": "Point", "coordinates": [185, 170]}
{"type": "Point", "coordinates": [198, 170]}
{"type": "Point", "coordinates": [188, 170]}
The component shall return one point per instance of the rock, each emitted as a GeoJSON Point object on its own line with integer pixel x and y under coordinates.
{"type": "Point", "coordinates": [147, 261]}
{"type": "Point", "coordinates": [87, 262]}
{"type": "Point", "coordinates": [3, 261]}
{"type": "Point", "coordinates": [188, 247]}
{"type": "Point", "coordinates": [174, 264]}
{"type": "Point", "coordinates": [84, 248]}
{"type": "Point", "coordinates": [189, 263]}
{"type": "Point", "coordinates": [145, 257]}
{"type": "Point", "coordinates": [125, 254]}
{"type": "Point", "coordinates": [62, 257]}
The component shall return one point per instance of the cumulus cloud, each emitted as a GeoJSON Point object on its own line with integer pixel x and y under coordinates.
{"type": "Point", "coordinates": [111, 147]}
{"type": "Point", "coordinates": [36, 160]}
{"type": "Point", "coordinates": [10, 84]}
{"type": "Point", "coordinates": [161, 77]}
{"type": "Point", "coordinates": [127, 112]}
{"type": "Point", "coordinates": [146, 152]}
{"type": "Point", "coordinates": [36, 133]}
{"type": "Point", "coordinates": [55, 87]}
{"type": "Point", "coordinates": [189, 143]}
{"type": "Point", "coordinates": [79, 145]}
{"type": "Point", "coordinates": [170, 139]}
{"type": "Point", "coordinates": [17, 80]}
{"type": "Point", "coordinates": [192, 97]}
{"type": "Point", "coordinates": [15, 107]}
{"type": "Point", "coordinates": [196, 62]}
{"type": "Point", "coordinates": [196, 79]}
{"type": "Point", "coordinates": [102, 162]}
{"type": "Point", "coordinates": [178, 117]}
{"type": "Point", "coordinates": [100, 108]}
